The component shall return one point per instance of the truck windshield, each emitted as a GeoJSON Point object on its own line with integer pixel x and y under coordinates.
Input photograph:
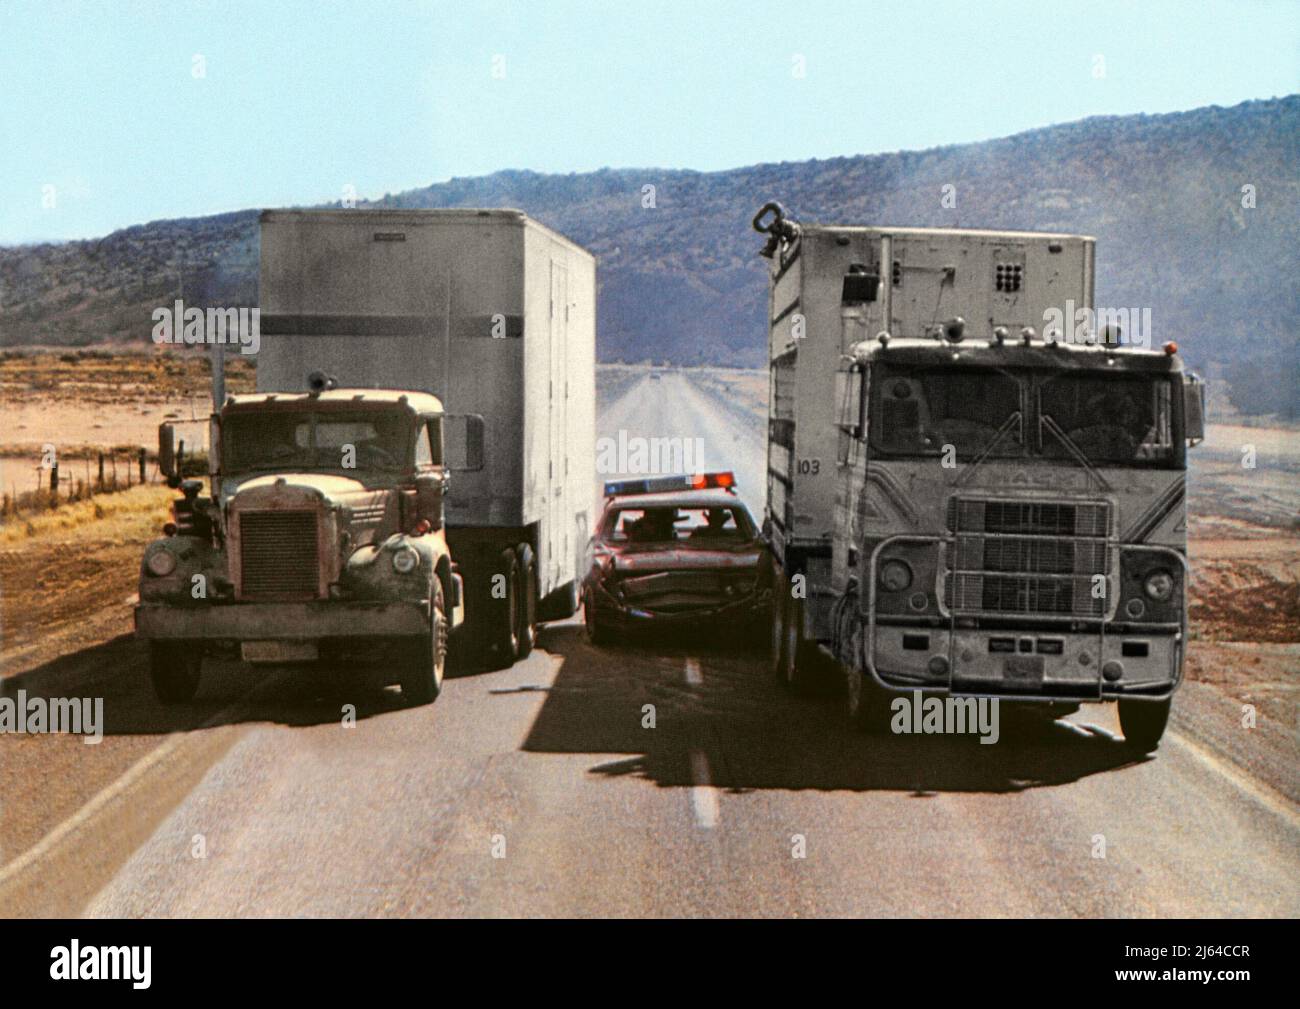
{"type": "Point", "coordinates": [1106, 418]}
{"type": "Point", "coordinates": [1110, 418]}
{"type": "Point", "coordinates": [277, 440]}
{"type": "Point", "coordinates": [921, 411]}
{"type": "Point", "coordinates": [715, 526]}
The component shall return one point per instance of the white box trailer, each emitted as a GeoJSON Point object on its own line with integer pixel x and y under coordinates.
{"type": "Point", "coordinates": [921, 277]}
{"type": "Point", "coordinates": [494, 314]}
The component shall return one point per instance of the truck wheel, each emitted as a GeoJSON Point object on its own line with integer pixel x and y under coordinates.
{"type": "Point", "coordinates": [527, 633]}
{"type": "Point", "coordinates": [504, 640]}
{"type": "Point", "coordinates": [776, 655]}
{"type": "Point", "coordinates": [597, 633]}
{"type": "Point", "coordinates": [424, 666]}
{"type": "Point", "coordinates": [864, 703]}
{"type": "Point", "coordinates": [1143, 723]}
{"type": "Point", "coordinates": [794, 671]}
{"type": "Point", "coordinates": [175, 668]}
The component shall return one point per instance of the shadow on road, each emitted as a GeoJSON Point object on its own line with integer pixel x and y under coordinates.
{"type": "Point", "coordinates": [714, 706]}
{"type": "Point", "coordinates": [230, 692]}
{"type": "Point", "coordinates": [754, 736]}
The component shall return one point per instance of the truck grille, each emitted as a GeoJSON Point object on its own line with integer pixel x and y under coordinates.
{"type": "Point", "coordinates": [277, 555]}
{"type": "Point", "coordinates": [1027, 557]}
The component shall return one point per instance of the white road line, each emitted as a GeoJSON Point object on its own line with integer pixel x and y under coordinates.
{"type": "Point", "coordinates": [78, 819]}
{"type": "Point", "coordinates": [118, 786]}
{"type": "Point", "coordinates": [1259, 791]}
{"type": "Point", "coordinates": [704, 797]}
{"type": "Point", "coordinates": [693, 675]}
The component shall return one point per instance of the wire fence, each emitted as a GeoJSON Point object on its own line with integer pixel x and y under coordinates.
{"type": "Point", "coordinates": [67, 481]}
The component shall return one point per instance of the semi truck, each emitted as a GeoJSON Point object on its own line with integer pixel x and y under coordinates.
{"type": "Point", "coordinates": [974, 489]}
{"type": "Point", "coordinates": [322, 534]}
{"type": "Point", "coordinates": [425, 381]}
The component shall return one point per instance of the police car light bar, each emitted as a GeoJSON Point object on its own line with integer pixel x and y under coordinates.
{"type": "Point", "coordinates": [653, 485]}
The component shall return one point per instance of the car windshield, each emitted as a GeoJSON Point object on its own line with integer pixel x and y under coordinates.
{"type": "Point", "coordinates": [698, 526]}
{"type": "Point", "coordinates": [1106, 418]}
{"type": "Point", "coordinates": [922, 411]}
{"type": "Point", "coordinates": [277, 440]}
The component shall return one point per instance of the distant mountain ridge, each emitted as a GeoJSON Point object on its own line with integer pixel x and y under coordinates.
{"type": "Point", "coordinates": [681, 281]}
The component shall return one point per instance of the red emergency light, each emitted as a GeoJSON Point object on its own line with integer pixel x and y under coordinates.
{"type": "Point", "coordinates": [655, 485]}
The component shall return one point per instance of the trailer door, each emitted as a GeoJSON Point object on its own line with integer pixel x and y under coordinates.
{"type": "Point", "coordinates": [556, 533]}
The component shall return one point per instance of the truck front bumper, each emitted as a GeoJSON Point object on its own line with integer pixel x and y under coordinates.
{"type": "Point", "coordinates": [1029, 663]}
{"type": "Point", "coordinates": [311, 621]}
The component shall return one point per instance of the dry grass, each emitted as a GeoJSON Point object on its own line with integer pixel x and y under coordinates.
{"type": "Point", "coordinates": [104, 376]}
{"type": "Point", "coordinates": [106, 518]}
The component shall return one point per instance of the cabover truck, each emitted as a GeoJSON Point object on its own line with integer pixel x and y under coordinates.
{"type": "Point", "coordinates": [973, 490]}
{"type": "Point", "coordinates": [322, 533]}
{"type": "Point", "coordinates": [493, 314]}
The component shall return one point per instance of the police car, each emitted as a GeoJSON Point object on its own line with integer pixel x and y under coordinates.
{"type": "Point", "coordinates": [674, 551]}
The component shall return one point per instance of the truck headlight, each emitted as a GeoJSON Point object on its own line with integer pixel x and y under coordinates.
{"type": "Point", "coordinates": [895, 576]}
{"type": "Point", "coordinates": [1159, 585]}
{"type": "Point", "coordinates": [405, 560]}
{"type": "Point", "coordinates": [161, 563]}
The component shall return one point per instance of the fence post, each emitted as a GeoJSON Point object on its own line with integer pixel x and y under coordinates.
{"type": "Point", "coordinates": [142, 466]}
{"type": "Point", "coordinates": [54, 486]}
{"type": "Point", "coordinates": [101, 470]}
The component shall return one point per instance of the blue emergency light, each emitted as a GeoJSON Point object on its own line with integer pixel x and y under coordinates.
{"type": "Point", "coordinates": [654, 485]}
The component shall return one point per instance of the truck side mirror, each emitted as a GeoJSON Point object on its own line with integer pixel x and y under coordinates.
{"type": "Point", "coordinates": [1193, 409]}
{"type": "Point", "coordinates": [463, 442]}
{"type": "Point", "coordinates": [167, 464]}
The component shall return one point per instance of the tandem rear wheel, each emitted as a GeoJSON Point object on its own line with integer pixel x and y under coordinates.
{"type": "Point", "coordinates": [505, 612]}
{"type": "Point", "coordinates": [793, 656]}
{"type": "Point", "coordinates": [514, 610]}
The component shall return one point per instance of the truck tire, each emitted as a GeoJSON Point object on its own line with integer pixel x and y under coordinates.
{"type": "Point", "coordinates": [795, 669]}
{"type": "Point", "coordinates": [503, 639]}
{"type": "Point", "coordinates": [776, 655]}
{"type": "Point", "coordinates": [1143, 723]}
{"type": "Point", "coordinates": [427, 659]}
{"type": "Point", "coordinates": [865, 706]}
{"type": "Point", "coordinates": [175, 668]}
{"type": "Point", "coordinates": [527, 633]}
{"type": "Point", "coordinates": [597, 633]}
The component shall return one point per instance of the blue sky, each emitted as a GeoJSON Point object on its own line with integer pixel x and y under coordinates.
{"type": "Point", "coordinates": [101, 100]}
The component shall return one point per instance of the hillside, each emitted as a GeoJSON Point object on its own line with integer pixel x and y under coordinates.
{"type": "Point", "coordinates": [683, 282]}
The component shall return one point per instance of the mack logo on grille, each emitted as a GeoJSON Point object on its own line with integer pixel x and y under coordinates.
{"type": "Point", "coordinates": [277, 555]}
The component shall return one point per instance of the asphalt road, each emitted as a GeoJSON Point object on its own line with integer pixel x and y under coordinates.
{"type": "Point", "coordinates": [540, 790]}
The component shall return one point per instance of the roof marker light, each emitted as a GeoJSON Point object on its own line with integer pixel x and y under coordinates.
{"type": "Point", "coordinates": [1171, 348]}
{"type": "Point", "coordinates": [1027, 335]}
